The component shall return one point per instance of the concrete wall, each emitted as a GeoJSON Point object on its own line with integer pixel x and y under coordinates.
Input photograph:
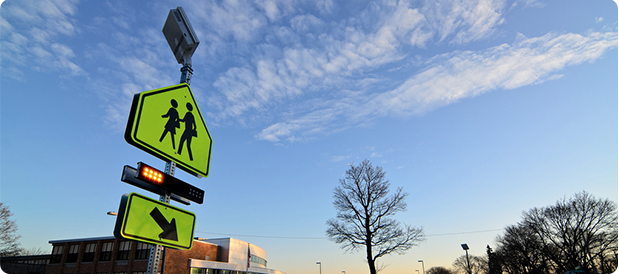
{"type": "Point", "coordinates": [234, 251]}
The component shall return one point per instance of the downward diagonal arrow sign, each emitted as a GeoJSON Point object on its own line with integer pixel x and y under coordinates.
{"type": "Point", "coordinates": [169, 228]}
{"type": "Point", "coordinates": [147, 220]}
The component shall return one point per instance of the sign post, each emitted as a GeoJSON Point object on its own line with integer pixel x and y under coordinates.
{"type": "Point", "coordinates": [142, 127]}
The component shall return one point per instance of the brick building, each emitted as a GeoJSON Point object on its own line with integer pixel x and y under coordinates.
{"type": "Point", "coordinates": [108, 255]}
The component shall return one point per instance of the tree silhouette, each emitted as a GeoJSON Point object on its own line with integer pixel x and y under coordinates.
{"type": "Point", "coordinates": [363, 220]}
{"type": "Point", "coordinates": [575, 233]}
{"type": "Point", "coordinates": [8, 239]}
{"type": "Point", "coordinates": [439, 270]}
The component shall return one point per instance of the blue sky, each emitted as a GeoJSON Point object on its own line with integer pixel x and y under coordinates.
{"type": "Point", "coordinates": [478, 109]}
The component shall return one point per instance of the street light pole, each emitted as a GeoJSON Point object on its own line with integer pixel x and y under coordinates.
{"type": "Point", "coordinates": [468, 263]}
{"type": "Point", "coordinates": [423, 268]}
{"type": "Point", "coordinates": [320, 266]}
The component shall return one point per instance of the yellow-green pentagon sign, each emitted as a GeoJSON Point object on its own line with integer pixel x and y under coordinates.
{"type": "Point", "coordinates": [167, 123]}
{"type": "Point", "coordinates": [146, 220]}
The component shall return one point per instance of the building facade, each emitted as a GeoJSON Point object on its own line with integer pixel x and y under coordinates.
{"type": "Point", "coordinates": [30, 264]}
{"type": "Point", "coordinates": [108, 255]}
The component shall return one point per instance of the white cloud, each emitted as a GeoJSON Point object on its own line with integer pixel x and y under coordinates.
{"type": "Point", "coordinates": [5, 27]}
{"type": "Point", "coordinates": [340, 53]}
{"type": "Point", "coordinates": [335, 68]}
{"type": "Point", "coordinates": [143, 73]}
{"type": "Point", "coordinates": [51, 14]}
{"type": "Point", "coordinates": [40, 36]}
{"type": "Point", "coordinates": [62, 50]}
{"type": "Point", "coordinates": [305, 23]}
{"type": "Point", "coordinates": [33, 27]}
{"type": "Point", "coordinates": [275, 9]}
{"type": "Point", "coordinates": [529, 3]}
{"type": "Point", "coordinates": [117, 106]}
{"type": "Point", "coordinates": [325, 6]}
{"type": "Point", "coordinates": [232, 19]}
{"type": "Point", "coordinates": [129, 69]}
{"type": "Point", "coordinates": [462, 20]}
{"type": "Point", "coordinates": [449, 79]}
{"type": "Point", "coordinates": [351, 55]}
{"type": "Point", "coordinates": [339, 158]}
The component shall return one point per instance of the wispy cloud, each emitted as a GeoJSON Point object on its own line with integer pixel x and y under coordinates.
{"type": "Point", "coordinates": [297, 70]}
{"type": "Point", "coordinates": [460, 75]}
{"type": "Point", "coordinates": [345, 50]}
{"type": "Point", "coordinates": [335, 80]}
{"type": "Point", "coordinates": [338, 72]}
{"type": "Point", "coordinates": [450, 78]}
{"type": "Point", "coordinates": [42, 21]}
{"type": "Point", "coordinates": [133, 66]}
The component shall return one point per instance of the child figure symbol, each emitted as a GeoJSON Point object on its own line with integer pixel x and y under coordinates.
{"type": "Point", "coordinates": [172, 124]}
{"type": "Point", "coordinates": [190, 131]}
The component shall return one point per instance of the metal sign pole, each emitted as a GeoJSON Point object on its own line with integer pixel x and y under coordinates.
{"type": "Point", "coordinates": [156, 251]}
{"type": "Point", "coordinates": [171, 30]}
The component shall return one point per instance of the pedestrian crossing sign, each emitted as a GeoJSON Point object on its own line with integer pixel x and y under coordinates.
{"type": "Point", "coordinates": [167, 123]}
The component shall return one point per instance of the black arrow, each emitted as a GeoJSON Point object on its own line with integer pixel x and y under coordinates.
{"type": "Point", "coordinates": [169, 229]}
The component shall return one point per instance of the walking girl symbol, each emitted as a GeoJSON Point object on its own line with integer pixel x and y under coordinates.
{"type": "Point", "coordinates": [172, 124]}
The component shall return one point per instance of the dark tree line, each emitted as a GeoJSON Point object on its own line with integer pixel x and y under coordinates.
{"type": "Point", "coordinates": [575, 233]}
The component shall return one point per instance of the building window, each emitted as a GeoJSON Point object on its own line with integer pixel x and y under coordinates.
{"type": "Point", "coordinates": [142, 251]}
{"type": "Point", "coordinates": [106, 251]}
{"type": "Point", "coordinates": [123, 250]}
{"type": "Point", "coordinates": [258, 260]}
{"type": "Point", "coordinates": [89, 252]}
{"type": "Point", "coordinates": [74, 250]}
{"type": "Point", "coordinates": [203, 271]}
{"type": "Point", "coordinates": [56, 254]}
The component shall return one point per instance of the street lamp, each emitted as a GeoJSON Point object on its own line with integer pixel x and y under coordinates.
{"type": "Point", "coordinates": [320, 266]}
{"type": "Point", "coordinates": [112, 213]}
{"type": "Point", "coordinates": [417, 271]}
{"type": "Point", "coordinates": [466, 249]}
{"type": "Point", "coordinates": [423, 268]}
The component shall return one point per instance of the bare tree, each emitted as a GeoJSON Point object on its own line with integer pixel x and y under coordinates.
{"type": "Point", "coordinates": [33, 251]}
{"type": "Point", "coordinates": [479, 264]}
{"type": "Point", "coordinates": [521, 251]}
{"type": "Point", "coordinates": [438, 270]}
{"type": "Point", "coordinates": [577, 232]}
{"type": "Point", "coordinates": [9, 246]}
{"type": "Point", "coordinates": [364, 208]}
